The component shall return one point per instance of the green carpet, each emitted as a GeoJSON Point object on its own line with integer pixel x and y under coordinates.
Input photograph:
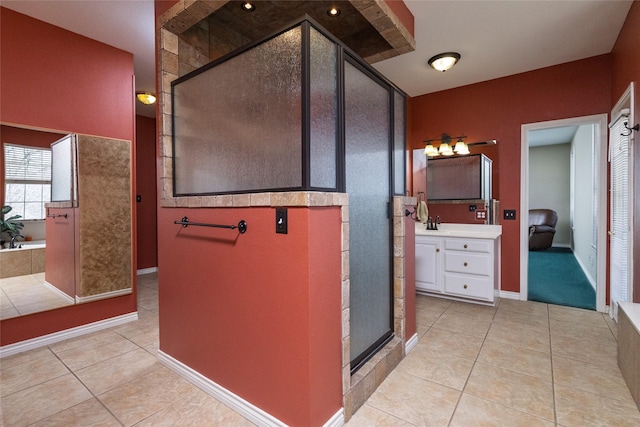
{"type": "Point", "coordinates": [555, 277]}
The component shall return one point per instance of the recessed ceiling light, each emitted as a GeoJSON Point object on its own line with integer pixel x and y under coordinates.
{"type": "Point", "coordinates": [248, 6]}
{"type": "Point", "coordinates": [334, 11]}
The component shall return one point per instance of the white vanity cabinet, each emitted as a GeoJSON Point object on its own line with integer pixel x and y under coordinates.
{"type": "Point", "coordinates": [428, 264]}
{"type": "Point", "coordinates": [459, 263]}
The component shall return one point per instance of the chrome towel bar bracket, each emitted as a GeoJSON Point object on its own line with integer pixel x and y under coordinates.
{"type": "Point", "coordinates": [242, 225]}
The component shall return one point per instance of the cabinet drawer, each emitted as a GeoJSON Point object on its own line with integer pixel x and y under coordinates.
{"type": "Point", "coordinates": [468, 286]}
{"type": "Point", "coordinates": [468, 263]}
{"type": "Point", "coordinates": [468, 245]}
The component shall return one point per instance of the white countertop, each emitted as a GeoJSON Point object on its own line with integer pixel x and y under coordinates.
{"type": "Point", "coordinates": [32, 244]}
{"type": "Point", "coordinates": [476, 231]}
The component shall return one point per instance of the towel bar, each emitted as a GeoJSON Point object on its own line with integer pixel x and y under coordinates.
{"type": "Point", "coordinates": [242, 225]}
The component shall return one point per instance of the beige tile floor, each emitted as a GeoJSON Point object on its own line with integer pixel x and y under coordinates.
{"type": "Point", "coordinates": [27, 294]}
{"type": "Point", "coordinates": [518, 364]}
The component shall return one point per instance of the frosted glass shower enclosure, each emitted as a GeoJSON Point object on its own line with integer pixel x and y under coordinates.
{"type": "Point", "coordinates": [298, 111]}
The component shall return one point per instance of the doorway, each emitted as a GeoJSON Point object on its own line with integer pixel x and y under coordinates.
{"type": "Point", "coordinates": [529, 132]}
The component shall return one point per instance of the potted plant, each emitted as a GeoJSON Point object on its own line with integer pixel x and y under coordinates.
{"type": "Point", "coordinates": [10, 225]}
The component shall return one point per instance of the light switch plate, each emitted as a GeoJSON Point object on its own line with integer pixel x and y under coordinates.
{"type": "Point", "coordinates": [282, 224]}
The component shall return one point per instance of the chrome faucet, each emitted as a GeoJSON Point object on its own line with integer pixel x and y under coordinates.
{"type": "Point", "coordinates": [12, 243]}
{"type": "Point", "coordinates": [433, 225]}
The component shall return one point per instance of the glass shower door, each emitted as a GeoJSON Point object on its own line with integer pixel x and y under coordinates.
{"type": "Point", "coordinates": [368, 184]}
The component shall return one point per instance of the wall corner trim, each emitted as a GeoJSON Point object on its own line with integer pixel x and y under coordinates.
{"type": "Point", "coordinates": [19, 347]}
{"type": "Point", "coordinates": [411, 343]}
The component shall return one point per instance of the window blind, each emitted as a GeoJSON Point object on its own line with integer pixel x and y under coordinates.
{"type": "Point", "coordinates": [619, 215]}
{"type": "Point", "coordinates": [27, 163]}
{"type": "Point", "coordinates": [27, 180]}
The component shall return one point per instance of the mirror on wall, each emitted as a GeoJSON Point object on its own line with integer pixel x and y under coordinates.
{"type": "Point", "coordinates": [74, 195]}
{"type": "Point", "coordinates": [459, 178]}
{"type": "Point", "coordinates": [461, 188]}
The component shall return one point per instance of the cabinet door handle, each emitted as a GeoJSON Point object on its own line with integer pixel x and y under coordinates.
{"type": "Point", "coordinates": [437, 249]}
{"type": "Point", "coordinates": [466, 246]}
{"type": "Point", "coordinates": [465, 264]}
{"type": "Point", "coordinates": [465, 286]}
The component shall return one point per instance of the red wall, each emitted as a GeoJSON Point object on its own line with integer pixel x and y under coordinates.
{"type": "Point", "coordinates": [403, 13]}
{"type": "Point", "coordinates": [55, 79]}
{"type": "Point", "coordinates": [59, 254]}
{"type": "Point", "coordinates": [496, 109]}
{"type": "Point", "coordinates": [258, 313]}
{"type": "Point", "coordinates": [458, 213]}
{"type": "Point", "coordinates": [161, 6]}
{"type": "Point", "coordinates": [626, 69]}
{"type": "Point", "coordinates": [146, 213]}
{"type": "Point", "coordinates": [32, 138]}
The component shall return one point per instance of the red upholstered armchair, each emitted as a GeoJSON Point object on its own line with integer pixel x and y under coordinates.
{"type": "Point", "coordinates": [542, 228]}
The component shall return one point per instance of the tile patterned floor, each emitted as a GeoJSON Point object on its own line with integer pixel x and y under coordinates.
{"type": "Point", "coordinates": [517, 364]}
{"type": "Point", "coordinates": [28, 294]}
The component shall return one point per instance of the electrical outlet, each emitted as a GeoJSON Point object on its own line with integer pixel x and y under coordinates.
{"type": "Point", "coordinates": [282, 224]}
{"type": "Point", "coordinates": [481, 214]}
{"type": "Point", "coordinates": [472, 208]}
{"type": "Point", "coordinates": [509, 214]}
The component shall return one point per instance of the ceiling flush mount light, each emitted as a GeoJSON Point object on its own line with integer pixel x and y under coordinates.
{"type": "Point", "coordinates": [248, 6]}
{"type": "Point", "coordinates": [146, 98]}
{"type": "Point", "coordinates": [334, 11]}
{"type": "Point", "coordinates": [444, 61]}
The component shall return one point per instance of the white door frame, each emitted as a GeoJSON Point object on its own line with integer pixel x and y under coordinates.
{"type": "Point", "coordinates": [600, 142]}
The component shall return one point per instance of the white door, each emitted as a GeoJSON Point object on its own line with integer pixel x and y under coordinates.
{"type": "Point", "coordinates": [620, 209]}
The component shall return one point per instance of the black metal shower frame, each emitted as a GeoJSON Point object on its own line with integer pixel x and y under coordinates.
{"type": "Point", "coordinates": [342, 53]}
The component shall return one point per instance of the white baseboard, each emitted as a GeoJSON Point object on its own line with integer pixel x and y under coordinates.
{"type": "Point", "coordinates": [235, 402]}
{"type": "Point", "coordinates": [19, 347]}
{"type": "Point", "coordinates": [337, 420]}
{"type": "Point", "coordinates": [411, 343]}
{"type": "Point", "coordinates": [238, 404]}
{"type": "Point", "coordinates": [509, 295]}
{"type": "Point", "coordinates": [58, 292]}
{"type": "Point", "coordinates": [103, 295]}
{"type": "Point", "coordinates": [147, 270]}
{"type": "Point", "coordinates": [586, 272]}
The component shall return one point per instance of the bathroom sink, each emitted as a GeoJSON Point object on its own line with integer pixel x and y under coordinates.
{"type": "Point", "coordinates": [480, 231]}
